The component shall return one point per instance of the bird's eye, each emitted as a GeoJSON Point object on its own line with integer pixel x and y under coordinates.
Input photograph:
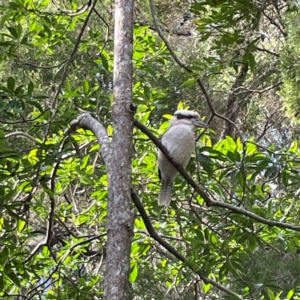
{"type": "Point", "coordinates": [179, 117]}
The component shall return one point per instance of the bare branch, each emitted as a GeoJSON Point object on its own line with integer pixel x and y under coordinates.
{"type": "Point", "coordinates": [266, 127]}
{"type": "Point", "coordinates": [23, 134]}
{"type": "Point", "coordinates": [267, 51]}
{"type": "Point", "coordinates": [246, 90]}
{"type": "Point", "coordinates": [107, 30]}
{"type": "Point", "coordinates": [86, 121]}
{"type": "Point", "coordinates": [39, 66]}
{"type": "Point", "coordinates": [273, 22]}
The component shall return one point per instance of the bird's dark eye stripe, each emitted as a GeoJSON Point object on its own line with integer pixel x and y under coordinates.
{"type": "Point", "coordinates": [179, 117]}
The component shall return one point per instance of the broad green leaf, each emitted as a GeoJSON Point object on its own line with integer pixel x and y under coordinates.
{"type": "Point", "coordinates": [110, 130]}
{"type": "Point", "coordinates": [294, 147]}
{"type": "Point", "coordinates": [206, 287]}
{"type": "Point", "coordinates": [30, 88]}
{"type": "Point", "coordinates": [68, 86]}
{"type": "Point", "coordinates": [271, 295]}
{"type": "Point", "coordinates": [134, 272]}
{"type": "Point", "coordinates": [13, 32]}
{"type": "Point", "coordinates": [85, 86]}
{"type": "Point", "coordinates": [11, 84]}
{"type": "Point", "coordinates": [290, 294]}
{"type": "Point", "coordinates": [104, 62]}
{"type": "Point", "coordinates": [167, 116]}
{"type": "Point", "coordinates": [285, 177]}
{"type": "Point", "coordinates": [47, 189]}
{"type": "Point", "coordinates": [252, 242]}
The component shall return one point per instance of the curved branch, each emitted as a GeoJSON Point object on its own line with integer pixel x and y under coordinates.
{"type": "Point", "coordinates": [86, 121]}
{"type": "Point", "coordinates": [20, 133]}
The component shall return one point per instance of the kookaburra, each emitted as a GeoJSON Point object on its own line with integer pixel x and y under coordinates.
{"type": "Point", "coordinates": [179, 140]}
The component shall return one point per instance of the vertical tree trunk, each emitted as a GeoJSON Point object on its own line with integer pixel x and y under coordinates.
{"type": "Point", "coordinates": [233, 106]}
{"type": "Point", "coordinates": [119, 219]}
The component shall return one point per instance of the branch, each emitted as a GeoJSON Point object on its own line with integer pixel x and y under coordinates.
{"type": "Point", "coordinates": [107, 31]}
{"type": "Point", "coordinates": [203, 194]}
{"type": "Point", "coordinates": [268, 51]}
{"type": "Point", "coordinates": [272, 21]}
{"type": "Point", "coordinates": [71, 13]}
{"type": "Point", "coordinates": [172, 250]}
{"type": "Point", "coordinates": [86, 121]}
{"type": "Point", "coordinates": [23, 134]}
{"type": "Point", "coordinates": [40, 67]}
{"type": "Point", "coordinates": [246, 90]}
{"type": "Point", "coordinates": [26, 120]}
{"type": "Point", "coordinates": [266, 127]}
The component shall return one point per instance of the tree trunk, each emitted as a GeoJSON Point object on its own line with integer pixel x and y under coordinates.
{"type": "Point", "coordinates": [233, 106]}
{"type": "Point", "coordinates": [120, 216]}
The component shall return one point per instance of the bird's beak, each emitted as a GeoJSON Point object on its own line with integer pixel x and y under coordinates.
{"type": "Point", "coordinates": [200, 123]}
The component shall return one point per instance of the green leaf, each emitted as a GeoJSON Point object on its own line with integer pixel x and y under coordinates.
{"type": "Point", "coordinates": [278, 295]}
{"type": "Point", "coordinates": [214, 238]}
{"type": "Point", "coordinates": [13, 32]}
{"type": "Point", "coordinates": [68, 86]}
{"type": "Point", "coordinates": [271, 294]}
{"type": "Point", "coordinates": [85, 86]}
{"type": "Point", "coordinates": [13, 277]}
{"type": "Point", "coordinates": [104, 62]}
{"type": "Point", "coordinates": [11, 84]}
{"type": "Point", "coordinates": [206, 287]}
{"type": "Point", "coordinates": [270, 209]}
{"type": "Point", "coordinates": [84, 162]}
{"type": "Point", "coordinates": [46, 189]}
{"type": "Point", "coordinates": [290, 294]}
{"type": "Point", "coordinates": [134, 272]}
{"type": "Point", "coordinates": [294, 147]}
{"type": "Point", "coordinates": [285, 177]}
{"type": "Point", "coordinates": [252, 62]}
{"type": "Point", "coordinates": [35, 104]}
{"type": "Point", "coordinates": [1, 282]}
{"type": "Point", "coordinates": [270, 171]}
{"type": "Point", "coordinates": [30, 88]}
{"type": "Point", "coordinates": [252, 242]}
{"type": "Point", "coordinates": [147, 92]}
{"type": "Point", "coordinates": [2, 139]}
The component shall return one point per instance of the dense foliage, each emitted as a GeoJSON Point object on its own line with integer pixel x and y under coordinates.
{"type": "Point", "coordinates": [56, 60]}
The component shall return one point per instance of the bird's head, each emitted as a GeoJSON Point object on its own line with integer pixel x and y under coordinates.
{"type": "Point", "coordinates": [187, 117]}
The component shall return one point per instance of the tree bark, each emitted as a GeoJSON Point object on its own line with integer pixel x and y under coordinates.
{"type": "Point", "coordinates": [120, 216]}
{"type": "Point", "coordinates": [117, 157]}
{"type": "Point", "coordinates": [233, 106]}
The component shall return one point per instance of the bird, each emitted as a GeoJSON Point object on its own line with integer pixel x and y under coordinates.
{"type": "Point", "coordinates": [179, 139]}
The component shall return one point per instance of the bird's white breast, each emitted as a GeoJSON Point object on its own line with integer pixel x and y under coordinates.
{"type": "Point", "coordinates": [180, 142]}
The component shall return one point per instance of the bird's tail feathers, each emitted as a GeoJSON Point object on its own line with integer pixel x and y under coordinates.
{"type": "Point", "coordinates": [164, 197]}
